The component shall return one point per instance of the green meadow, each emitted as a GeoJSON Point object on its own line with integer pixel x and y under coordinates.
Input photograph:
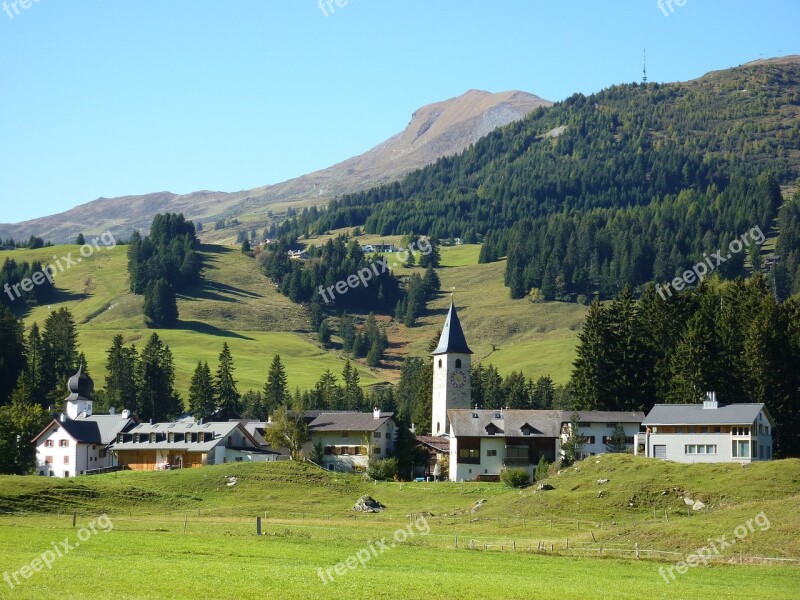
{"type": "Point", "coordinates": [187, 533]}
{"type": "Point", "coordinates": [236, 304]}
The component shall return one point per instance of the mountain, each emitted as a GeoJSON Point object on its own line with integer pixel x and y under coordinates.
{"type": "Point", "coordinates": [436, 130]}
{"type": "Point", "coordinates": [628, 185]}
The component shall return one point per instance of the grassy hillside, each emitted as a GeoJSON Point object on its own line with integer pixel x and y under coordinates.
{"type": "Point", "coordinates": [237, 304]}
{"type": "Point", "coordinates": [172, 528]}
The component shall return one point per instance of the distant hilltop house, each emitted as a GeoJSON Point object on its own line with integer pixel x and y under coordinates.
{"type": "Point", "coordinates": [368, 248]}
{"type": "Point", "coordinates": [76, 442]}
{"type": "Point", "coordinates": [707, 432]}
{"type": "Point", "coordinates": [298, 254]}
{"type": "Point", "coordinates": [187, 443]}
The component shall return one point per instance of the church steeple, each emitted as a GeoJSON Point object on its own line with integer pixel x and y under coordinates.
{"type": "Point", "coordinates": [452, 339]}
{"type": "Point", "coordinates": [451, 373]}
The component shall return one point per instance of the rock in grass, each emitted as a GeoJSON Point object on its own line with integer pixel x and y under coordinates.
{"type": "Point", "coordinates": [368, 504]}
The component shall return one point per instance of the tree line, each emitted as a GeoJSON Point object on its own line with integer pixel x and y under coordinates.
{"type": "Point", "coordinates": [730, 337]}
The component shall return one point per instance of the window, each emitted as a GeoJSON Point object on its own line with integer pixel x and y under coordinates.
{"type": "Point", "coordinates": [48, 460]}
{"type": "Point", "coordinates": [740, 430]}
{"type": "Point", "coordinates": [230, 440]}
{"type": "Point", "coordinates": [458, 363]}
{"type": "Point", "coordinates": [611, 425]}
{"type": "Point", "coordinates": [440, 363]}
{"type": "Point", "coordinates": [345, 434]}
{"type": "Point", "coordinates": [48, 443]}
{"type": "Point", "coordinates": [704, 430]}
{"type": "Point", "coordinates": [491, 453]}
{"type": "Point", "coordinates": [153, 438]}
{"type": "Point", "coordinates": [66, 473]}
{"type": "Point", "coordinates": [679, 429]}
{"type": "Point", "coordinates": [63, 443]}
{"type": "Point", "coordinates": [377, 435]}
{"type": "Point", "coordinates": [239, 459]}
{"type": "Point", "coordinates": [66, 460]}
{"type": "Point", "coordinates": [717, 429]}
{"type": "Point", "coordinates": [740, 449]}
{"type": "Point", "coordinates": [377, 450]}
{"type": "Point", "coordinates": [588, 439]}
{"type": "Point", "coordinates": [328, 450]}
{"type": "Point", "coordinates": [690, 449]}
{"type": "Point", "coordinates": [700, 449]}
{"type": "Point", "coordinates": [469, 453]}
{"type": "Point", "coordinates": [691, 429]}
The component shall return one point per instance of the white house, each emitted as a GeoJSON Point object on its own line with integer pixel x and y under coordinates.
{"type": "Point", "coordinates": [597, 426]}
{"type": "Point", "coordinates": [76, 442]}
{"type": "Point", "coordinates": [187, 443]}
{"type": "Point", "coordinates": [707, 432]}
{"type": "Point", "coordinates": [350, 439]}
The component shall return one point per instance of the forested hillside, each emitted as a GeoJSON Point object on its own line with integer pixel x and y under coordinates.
{"type": "Point", "coordinates": [630, 184]}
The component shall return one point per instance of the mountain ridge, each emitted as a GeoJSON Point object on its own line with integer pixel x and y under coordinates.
{"type": "Point", "coordinates": [435, 130]}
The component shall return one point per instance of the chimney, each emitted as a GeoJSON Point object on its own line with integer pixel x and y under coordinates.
{"type": "Point", "coordinates": [376, 413]}
{"type": "Point", "coordinates": [112, 411]}
{"type": "Point", "coordinates": [711, 401]}
{"type": "Point", "coordinates": [63, 418]}
{"type": "Point", "coordinates": [126, 414]}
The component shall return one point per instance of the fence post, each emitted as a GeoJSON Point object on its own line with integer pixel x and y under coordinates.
{"type": "Point", "coordinates": [637, 550]}
{"type": "Point", "coordinates": [258, 525]}
{"type": "Point", "coordinates": [185, 521]}
{"type": "Point", "coordinates": [593, 538]}
{"type": "Point", "coordinates": [456, 541]}
{"type": "Point", "coordinates": [74, 517]}
{"type": "Point", "coordinates": [666, 515]}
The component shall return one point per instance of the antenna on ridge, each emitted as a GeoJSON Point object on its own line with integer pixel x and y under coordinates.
{"type": "Point", "coordinates": [644, 67]}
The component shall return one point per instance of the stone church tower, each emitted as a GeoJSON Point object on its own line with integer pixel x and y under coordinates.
{"type": "Point", "coordinates": [451, 373]}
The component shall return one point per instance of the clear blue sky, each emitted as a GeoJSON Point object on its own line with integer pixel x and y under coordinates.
{"type": "Point", "coordinates": [115, 97]}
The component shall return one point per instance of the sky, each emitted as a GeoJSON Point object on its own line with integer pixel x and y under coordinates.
{"type": "Point", "coordinates": [104, 98]}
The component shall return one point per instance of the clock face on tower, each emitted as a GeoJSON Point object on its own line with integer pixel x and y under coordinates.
{"type": "Point", "coordinates": [458, 378]}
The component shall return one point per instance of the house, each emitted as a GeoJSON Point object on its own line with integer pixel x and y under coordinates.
{"type": "Point", "coordinates": [367, 248]}
{"type": "Point", "coordinates": [298, 254]}
{"type": "Point", "coordinates": [437, 447]}
{"type": "Point", "coordinates": [483, 442]}
{"type": "Point", "coordinates": [597, 426]}
{"type": "Point", "coordinates": [76, 442]}
{"type": "Point", "coordinates": [350, 439]}
{"type": "Point", "coordinates": [187, 443]}
{"type": "Point", "coordinates": [480, 443]}
{"type": "Point", "coordinates": [707, 432]}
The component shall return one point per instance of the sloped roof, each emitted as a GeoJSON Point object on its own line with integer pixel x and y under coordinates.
{"type": "Point", "coordinates": [543, 423]}
{"type": "Point", "coordinates": [509, 422]}
{"type": "Point", "coordinates": [438, 443]}
{"type": "Point", "coordinates": [219, 429]}
{"type": "Point", "coordinates": [695, 414]}
{"type": "Point", "coordinates": [94, 429]}
{"type": "Point", "coordinates": [452, 339]}
{"type": "Point", "coordinates": [348, 421]}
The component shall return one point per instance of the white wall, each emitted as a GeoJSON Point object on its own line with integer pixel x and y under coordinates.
{"type": "Point", "coordinates": [81, 457]}
{"type": "Point", "coordinates": [599, 430]}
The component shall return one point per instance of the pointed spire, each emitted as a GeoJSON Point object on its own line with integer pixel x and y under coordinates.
{"type": "Point", "coordinates": [452, 339]}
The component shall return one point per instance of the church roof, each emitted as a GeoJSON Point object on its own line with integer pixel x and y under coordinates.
{"type": "Point", "coordinates": [452, 339]}
{"type": "Point", "coordinates": [80, 385]}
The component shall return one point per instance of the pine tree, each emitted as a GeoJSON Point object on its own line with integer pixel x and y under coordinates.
{"type": "Point", "coordinates": [12, 352]}
{"type": "Point", "coordinates": [201, 392]}
{"type": "Point", "coordinates": [160, 305]}
{"type": "Point", "coordinates": [120, 382]}
{"type": "Point", "coordinates": [59, 354]}
{"type": "Point", "coordinates": [590, 374]}
{"type": "Point", "coordinates": [276, 389]}
{"type": "Point", "coordinates": [226, 395]}
{"type": "Point", "coordinates": [616, 442]}
{"type": "Point", "coordinates": [155, 380]}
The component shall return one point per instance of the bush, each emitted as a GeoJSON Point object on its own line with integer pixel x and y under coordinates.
{"type": "Point", "coordinates": [515, 478]}
{"type": "Point", "coordinates": [382, 469]}
{"type": "Point", "coordinates": [541, 469]}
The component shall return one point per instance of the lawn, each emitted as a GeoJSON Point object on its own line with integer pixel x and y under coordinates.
{"type": "Point", "coordinates": [186, 533]}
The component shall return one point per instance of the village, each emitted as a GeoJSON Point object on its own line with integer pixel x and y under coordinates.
{"type": "Point", "coordinates": [467, 443]}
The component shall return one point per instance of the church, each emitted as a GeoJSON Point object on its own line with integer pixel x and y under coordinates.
{"type": "Point", "coordinates": [480, 443]}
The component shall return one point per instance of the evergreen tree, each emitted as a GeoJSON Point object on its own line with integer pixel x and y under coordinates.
{"type": "Point", "coordinates": [226, 394]}
{"type": "Point", "coordinates": [80, 240]}
{"type": "Point", "coordinates": [616, 442]}
{"type": "Point", "coordinates": [120, 383]}
{"type": "Point", "coordinates": [160, 304]}
{"type": "Point", "coordinates": [201, 392]}
{"type": "Point", "coordinates": [276, 389]}
{"type": "Point", "coordinates": [20, 421]}
{"type": "Point", "coordinates": [59, 354]}
{"type": "Point", "coordinates": [12, 352]}
{"type": "Point", "coordinates": [155, 380]}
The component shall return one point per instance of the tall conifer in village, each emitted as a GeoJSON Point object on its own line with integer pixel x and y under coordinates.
{"type": "Point", "coordinates": [276, 389]}
{"type": "Point", "coordinates": [227, 396]}
{"type": "Point", "coordinates": [201, 392]}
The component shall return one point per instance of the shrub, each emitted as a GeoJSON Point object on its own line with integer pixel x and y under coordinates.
{"type": "Point", "coordinates": [541, 469]}
{"type": "Point", "coordinates": [515, 478]}
{"type": "Point", "coordinates": [382, 469]}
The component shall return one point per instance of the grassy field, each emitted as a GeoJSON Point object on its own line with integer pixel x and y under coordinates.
{"type": "Point", "coordinates": [237, 304]}
{"type": "Point", "coordinates": [186, 533]}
